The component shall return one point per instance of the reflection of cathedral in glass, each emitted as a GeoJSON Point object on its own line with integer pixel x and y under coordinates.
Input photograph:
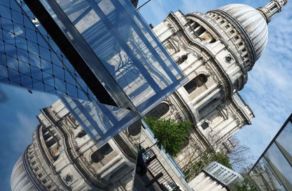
{"type": "Point", "coordinates": [31, 59]}
{"type": "Point", "coordinates": [63, 157]}
{"type": "Point", "coordinates": [273, 170]}
{"type": "Point", "coordinates": [214, 51]}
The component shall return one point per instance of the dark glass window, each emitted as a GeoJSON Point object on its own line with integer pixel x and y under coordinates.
{"type": "Point", "coordinates": [201, 79]}
{"type": "Point", "coordinates": [159, 110]}
{"type": "Point", "coordinates": [99, 154]}
{"type": "Point", "coordinates": [182, 59]}
{"type": "Point", "coordinates": [81, 134]}
{"type": "Point", "coordinates": [198, 81]}
{"type": "Point", "coordinates": [106, 149]}
{"type": "Point", "coordinates": [191, 86]}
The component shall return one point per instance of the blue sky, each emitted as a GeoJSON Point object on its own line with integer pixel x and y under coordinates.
{"type": "Point", "coordinates": [18, 110]}
{"type": "Point", "coordinates": [268, 90]}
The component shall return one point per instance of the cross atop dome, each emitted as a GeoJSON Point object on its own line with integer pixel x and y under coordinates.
{"type": "Point", "coordinates": [272, 8]}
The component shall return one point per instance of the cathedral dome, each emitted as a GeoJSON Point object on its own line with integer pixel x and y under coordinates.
{"type": "Point", "coordinates": [253, 24]}
{"type": "Point", "coordinates": [20, 179]}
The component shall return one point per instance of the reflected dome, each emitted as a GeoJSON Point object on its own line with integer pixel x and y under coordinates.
{"type": "Point", "coordinates": [20, 179]}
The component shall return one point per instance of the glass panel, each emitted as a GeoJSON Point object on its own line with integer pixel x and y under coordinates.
{"type": "Point", "coordinates": [284, 140]}
{"type": "Point", "coordinates": [274, 170]}
{"type": "Point", "coordinates": [124, 45]}
{"type": "Point", "coordinates": [30, 61]}
{"type": "Point", "coordinates": [73, 132]}
{"type": "Point", "coordinates": [280, 165]}
{"type": "Point", "coordinates": [265, 178]}
{"type": "Point", "coordinates": [101, 121]}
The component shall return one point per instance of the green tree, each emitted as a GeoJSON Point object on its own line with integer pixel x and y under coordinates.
{"type": "Point", "coordinates": [172, 135]}
{"type": "Point", "coordinates": [222, 159]}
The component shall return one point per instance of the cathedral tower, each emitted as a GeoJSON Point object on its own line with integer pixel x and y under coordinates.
{"type": "Point", "coordinates": [215, 50]}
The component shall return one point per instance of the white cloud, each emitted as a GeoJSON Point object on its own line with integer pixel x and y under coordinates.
{"type": "Point", "coordinates": [269, 88]}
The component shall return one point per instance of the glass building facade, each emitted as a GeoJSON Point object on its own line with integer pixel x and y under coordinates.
{"type": "Point", "coordinates": [98, 56]}
{"type": "Point", "coordinates": [113, 43]}
{"type": "Point", "coordinates": [273, 170]}
{"type": "Point", "coordinates": [114, 40]}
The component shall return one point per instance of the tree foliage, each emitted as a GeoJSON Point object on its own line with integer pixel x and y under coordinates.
{"type": "Point", "coordinates": [247, 185]}
{"type": "Point", "coordinates": [172, 135]}
{"type": "Point", "coordinates": [206, 157]}
{"type": "Point", "coordinates": [240, 156]}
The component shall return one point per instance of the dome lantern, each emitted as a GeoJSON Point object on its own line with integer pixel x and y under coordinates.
{"type": "Point", "coordinates": [272, 8]}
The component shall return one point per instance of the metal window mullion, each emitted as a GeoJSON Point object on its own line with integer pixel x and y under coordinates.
{"type": "Point", "coordinates": [148, 44]}
{"type": "Point", "coordinates": [78, 58]}
{"type": "Point", "coordinates": [125, 47]}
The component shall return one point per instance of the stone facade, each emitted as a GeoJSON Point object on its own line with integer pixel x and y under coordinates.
{"type": "Point", "coordinates": [215, 51]}
{"type": "Point", "coordinates": [216, 177]}
{"type": "Point", "coordinates": [63, 157]}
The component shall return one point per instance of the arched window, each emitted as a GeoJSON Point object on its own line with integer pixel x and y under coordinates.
{"type": "Point", "coordinates": [81, 134]}
{"type": "Point", "coordinates": [201, 79]}
{"type": "Point", "coordinates": [198, 81]}
{"type": "Point", "coordinates": [191, 86]}
{"type": "Point", "coordinates": [99, 154]}
{"type": "Point", "coordinates": [181, 59]}
{"type": "Point", "coordinates": [135, 128]}
{"type": "Point", "coordinates": [159, 110]}
{"type": "Point", "coordinates": [96, 157]}
{"type": "Point", "coordinates": [105, 149]}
